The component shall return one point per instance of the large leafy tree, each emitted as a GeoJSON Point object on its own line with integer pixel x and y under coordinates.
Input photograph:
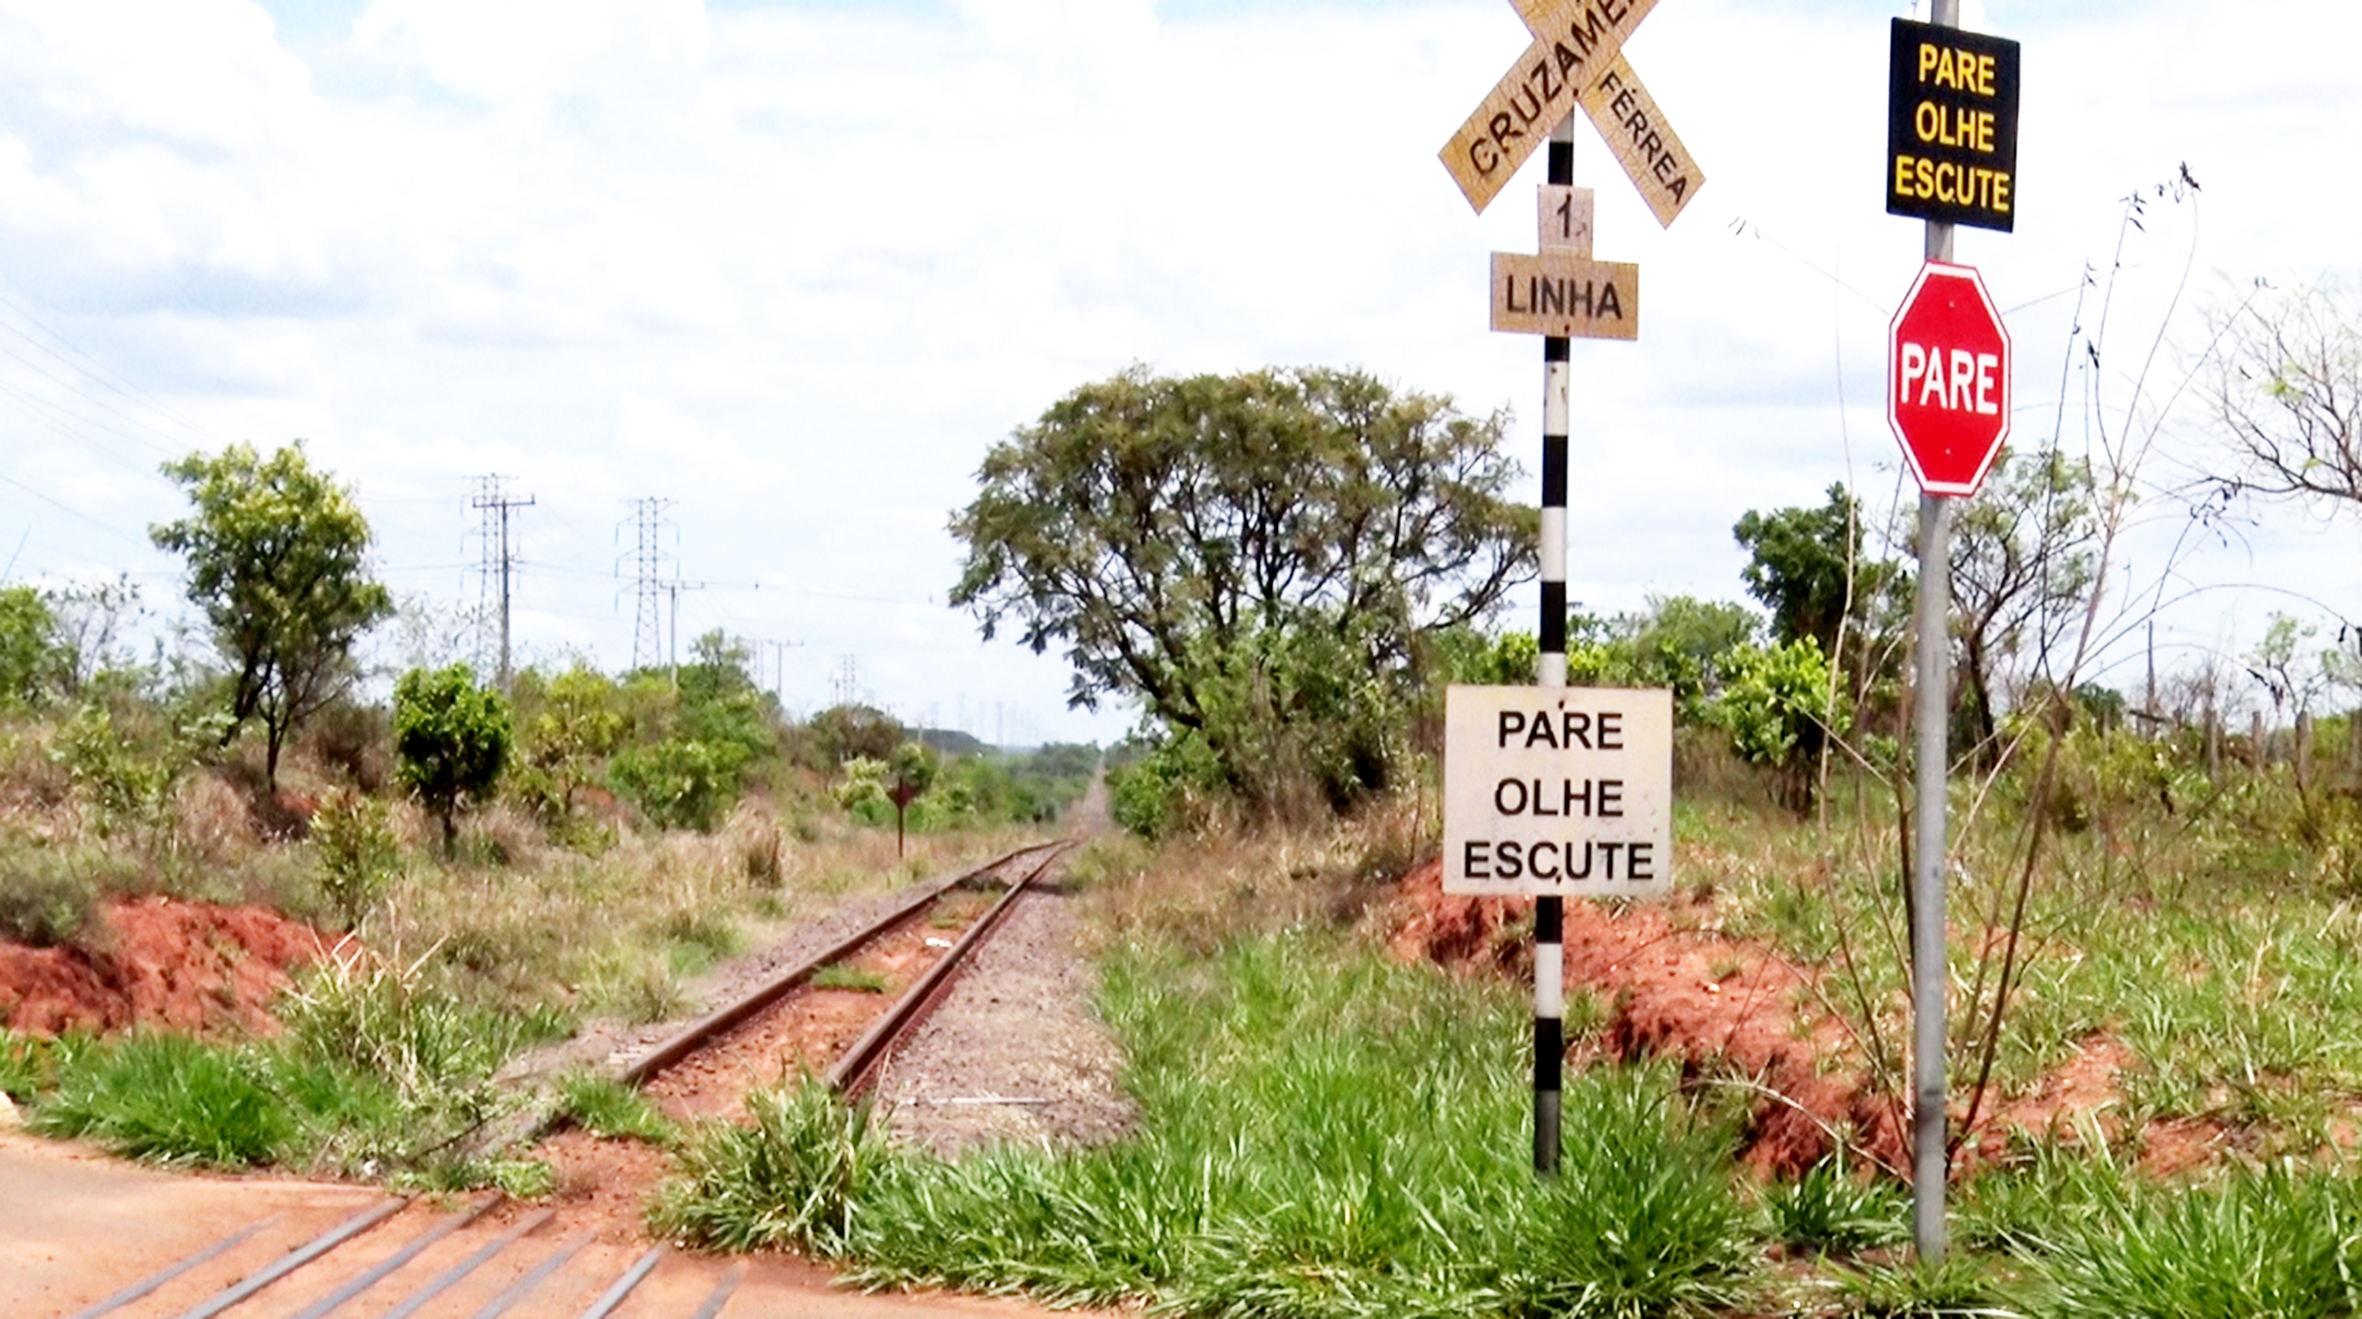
{"type": "Point", "coordinates": [1238, 553]}
{"type": "Point", "coordinates": [277, 558]}
{"type": "Point", "coordinates": [1808, 567]}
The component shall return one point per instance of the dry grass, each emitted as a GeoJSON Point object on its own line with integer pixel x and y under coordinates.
{"type": "Point", "coordinates": [518, 921]}
{"type": "Point", "coordinates": [1203, 893]}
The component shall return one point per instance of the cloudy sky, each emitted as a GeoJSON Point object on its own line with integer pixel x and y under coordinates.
{"type": "Point", "coordinates": [794, 265]}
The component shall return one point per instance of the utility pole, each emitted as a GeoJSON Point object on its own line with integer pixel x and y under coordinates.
{"type": "Point", "coordinates": [778, 651]}
{"type": "Point", "coordinates": [673, 589]}
{"type": "Point", "coordinates": [495, 504]}
{"type": "Point", "coordinates": [647, 521]}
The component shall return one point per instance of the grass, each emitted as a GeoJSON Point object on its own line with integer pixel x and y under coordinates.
{"type": "Point", "coordinates": [612, 1110]}
{"type": "Point", "coordinates": [375, 1075]}
{"type": "Point", "coordinates": [1835, 1209]}
{"type": "Point", "coordinates": [2183, 936]}
{"type": "Point", "coordinates": [28, 1063]}
{"type": "Point", "coordinates": [1322, 1135]}
{"type": "Point", "coordinates": [844, 975]}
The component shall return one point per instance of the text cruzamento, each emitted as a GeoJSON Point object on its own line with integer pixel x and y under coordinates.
{"type": "Point", "coordinates": [1576, 59]}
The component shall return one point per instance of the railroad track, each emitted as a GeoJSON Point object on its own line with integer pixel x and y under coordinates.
{"type": "Point", "coordinates": [495, 1257]}
{"type": "Point", "coordinates": [856, 1067]}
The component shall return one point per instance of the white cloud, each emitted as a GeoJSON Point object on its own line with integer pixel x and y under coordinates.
{"type": "Point", "coordinates": [527, 54]}
{"type": "Point", "coordinates": [798, 267]}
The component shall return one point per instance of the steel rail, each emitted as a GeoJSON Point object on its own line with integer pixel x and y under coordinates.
{"type": "Point", "coordinates": [854, 1067]}
{"type": "Point", "coordinates": [159, 1278]}
{"type": "Point", "coordinates": [370, 1277]}
{"type": "Point", "coordinates": [694, 1036]}
{"type": "Point", "coordinates": [442, 1282]}
{"type": "Point", "coordinates": [534, 1277]}
{"type": "Point", "coordinates": [319, 1245]}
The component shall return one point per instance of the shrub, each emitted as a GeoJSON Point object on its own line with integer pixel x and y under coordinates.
{"type": "Point", "coordinates": [608, 1108]}
{"type": "Point", "coordinates": [43, 900]}
{"type": "Point", "coordinates": [1778, 711]}
{"type": "Point", "coordinates": [353, 836]}
{"type": "Point", "coordinates": [453, 739]}
{"type": "Point", "coordinates": [680, 783]}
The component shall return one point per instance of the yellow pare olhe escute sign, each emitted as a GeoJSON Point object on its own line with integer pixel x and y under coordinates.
{"type": "Point", "coordinates": [1558, 791]}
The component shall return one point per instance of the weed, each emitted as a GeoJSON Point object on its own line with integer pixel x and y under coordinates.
{"type": "Point", "coordinates": [700, 936]}
{"type": "Point", "coordinates": [608, 1108]}
{"type": "Point", "coordinates": [1310, 1145]}
{"type": "Point", "coordinates": [433, 1059]}
{"type": "Point", "coordinates": [842, 975]}
{"type": "Point", "coordinates": [1832, 1208]}
{"type": "Point", "coordinates": [28, 1064]}
{"type": "Point", "coordinates": [1958, 1288]}
{"type": "Point", "coordinates": [650, 995]}
{"type": "Point", "coordinates": [171, 1099]}
{"type": "Point", "coordinates": [353, 836]}
{"type": "Point", "coordinates": [44, 899]}
{"type": "Point", "coordinates": [792, 1178]}
{"type": "Point", "coordinates": [958, 911]}
{"type": "Point", "coordinates": [2263, 1242]}
{"type": "Point", "coordinates": [521, 1179]}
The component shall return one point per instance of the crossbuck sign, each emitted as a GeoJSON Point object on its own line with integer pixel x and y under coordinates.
{"type": "Point", "coordinates": [1576, 59]}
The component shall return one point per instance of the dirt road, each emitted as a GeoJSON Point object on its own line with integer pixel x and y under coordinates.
{"type": "Point", "coordinates": [76, 1228]}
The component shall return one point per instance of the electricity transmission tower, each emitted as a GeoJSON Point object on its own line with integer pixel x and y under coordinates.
{"type": "Point", "coordinates": [494, 503]}
{"type": "Point", "coordinates": [847, 681]}
{"type": "Point", "coordinates": [648, 581]}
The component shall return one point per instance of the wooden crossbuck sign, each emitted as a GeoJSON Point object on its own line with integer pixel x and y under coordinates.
{"type": "Point", "coordinates": [1576, 59]}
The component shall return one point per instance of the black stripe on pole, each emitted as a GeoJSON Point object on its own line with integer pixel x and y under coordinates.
{"type": "Point", "coordinates": [1554, 618]}
{"type": "Point", "coordinates": [1554, 471]}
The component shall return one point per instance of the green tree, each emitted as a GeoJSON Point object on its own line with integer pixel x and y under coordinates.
{"type": "Point", "coordinates": [567, 726]}
{"type": "Point", "coordinates": [843, 732]}
{"type": "Point", "coordinates": [2022, 554]}
{"type": "Point", "coordinates": [1807, 566]}
{"type": "Point", "coordinates": [276, 556]}
{"type": "Point", "coordinates": [452, 739]}
{"type": "Point", "coordinates": [32, 663]}
{"type": "Point", "coordinates": [1227, 549]}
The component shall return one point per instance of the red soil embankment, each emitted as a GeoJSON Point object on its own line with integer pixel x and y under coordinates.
{"type": "Point", "coordinates": [186, 966]}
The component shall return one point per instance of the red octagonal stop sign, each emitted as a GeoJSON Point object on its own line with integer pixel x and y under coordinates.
{"type": "Point", "coordinates": [1947, 379]}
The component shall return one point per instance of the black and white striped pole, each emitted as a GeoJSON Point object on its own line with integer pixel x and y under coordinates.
{"type": "Point", "coordinates": [1549, 909]}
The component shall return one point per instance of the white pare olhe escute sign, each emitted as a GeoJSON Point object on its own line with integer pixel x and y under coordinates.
{"type": "Point", "coordinates": [1563, 792]}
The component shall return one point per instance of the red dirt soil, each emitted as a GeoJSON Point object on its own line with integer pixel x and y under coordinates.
{"type": "Point", "coordinates": [184, 966]}
{"type": "Point", "coordinates": [1723, 1008]}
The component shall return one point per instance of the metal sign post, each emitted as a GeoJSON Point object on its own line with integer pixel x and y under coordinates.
{"type": "Point", "coordinates": [1952, 143]}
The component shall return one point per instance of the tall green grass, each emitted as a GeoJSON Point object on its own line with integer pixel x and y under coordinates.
{"type": "Point", "coordinates": [1323, 1133]}
{"type": "Point", "coordinates": [2262, 1242]}
{"type": "Point", "coordinates": [375, 1076]}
